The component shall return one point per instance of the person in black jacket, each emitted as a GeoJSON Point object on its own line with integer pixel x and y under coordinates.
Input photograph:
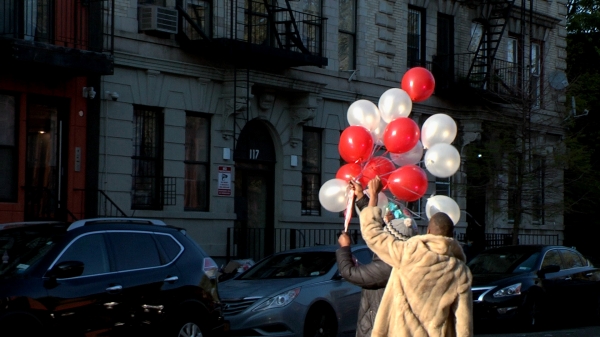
{"type": "Point", "coordinates": [371, 277]}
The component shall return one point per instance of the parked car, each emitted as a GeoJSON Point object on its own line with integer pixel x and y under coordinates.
{"type": "Point", "coordinates": [529, 285]}
{"type": "Point", "coordinates": [294, 293]}
{"type": "Point", "coordinates": [103, 277]}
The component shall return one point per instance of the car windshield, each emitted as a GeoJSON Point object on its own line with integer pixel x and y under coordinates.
{"type": "Point", "coordinates": [301, 264]}
{"type": "Point", "coordinates": [23, 246]}
{"type": "Point", "coordinates": [503, 262]}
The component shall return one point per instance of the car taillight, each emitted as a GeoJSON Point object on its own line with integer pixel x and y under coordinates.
{"type": "Point", "coordinates": [210, 268]}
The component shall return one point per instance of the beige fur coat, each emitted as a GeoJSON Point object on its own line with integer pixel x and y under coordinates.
{"type": "Point", "coordinates": [429, 290]}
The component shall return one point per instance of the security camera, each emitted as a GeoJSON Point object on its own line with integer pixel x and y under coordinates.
{"type": "Point", "coordinates": [113, 95]}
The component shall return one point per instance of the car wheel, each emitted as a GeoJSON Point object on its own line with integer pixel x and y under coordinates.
{"type": "Point", "coordinates": [188, 327]}
{"type": "Point", "coordinates": [320, 322]}
{"type": "Point", "coordinates": [532, 318]}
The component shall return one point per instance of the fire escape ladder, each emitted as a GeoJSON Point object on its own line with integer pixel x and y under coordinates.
{"type": "Point", "coordinates": [496, 18]}
{"type": "Point", "coordinates": [241, 98]}
{"type": "Point", "coordinates": [284, 26]}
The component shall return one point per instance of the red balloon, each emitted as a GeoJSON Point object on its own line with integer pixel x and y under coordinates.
{"type": "Point", "coordinates": [348, 171]}
{"type": "Point", "coordinates": [356, 144]}
{"type": "Point", "coordinates": [401, 135]}
{"type": "Point", "coordinates": [378, 166]}
{"type": "Point", "coordinates": [408, 183]}
{"type": "Point", "coordinates": [418, 83]}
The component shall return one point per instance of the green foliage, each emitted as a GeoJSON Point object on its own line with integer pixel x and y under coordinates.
{"type": "Point", "coordinates": [583, 16]}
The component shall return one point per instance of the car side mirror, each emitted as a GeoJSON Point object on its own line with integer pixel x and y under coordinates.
{"type": "Point", "coordinates": [553, 268]}
{"type": "Point", "coordinates": [67, 269]}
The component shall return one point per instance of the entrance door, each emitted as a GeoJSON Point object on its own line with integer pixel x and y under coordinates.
{"type": "Point", "coordinates": [46, 154]}
{"type": "Point", "coordinates": [254, 189]}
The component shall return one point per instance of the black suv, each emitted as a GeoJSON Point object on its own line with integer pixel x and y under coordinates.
{"type": "Point", "coordinates": [106, 277]}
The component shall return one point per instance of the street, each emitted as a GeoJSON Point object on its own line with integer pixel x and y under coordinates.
{"type": "Point", "coordinates": [584, 331]}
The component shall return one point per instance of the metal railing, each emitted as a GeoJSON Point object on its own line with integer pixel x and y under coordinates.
{"type": "Point", "coordinates": [253, 22]}
{"type": "Point", "coordinates": [79, 24]}
{"type": "Point", "coordinates": [493, 240]}
{"type": "Point", "coordinates": [449, 70]}
{"type": "Point", "coordinates": [256, 243]}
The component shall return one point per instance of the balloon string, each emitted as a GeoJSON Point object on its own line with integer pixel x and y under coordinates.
{"type": "Point", "coordinates": [349, 203]}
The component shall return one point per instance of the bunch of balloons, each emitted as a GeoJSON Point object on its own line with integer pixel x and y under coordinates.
{"type": "Point", "coordinates": [388, 125]}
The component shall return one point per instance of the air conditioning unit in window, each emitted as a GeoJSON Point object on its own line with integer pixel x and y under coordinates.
{"type": "Point", "coordinates": [157, 18]}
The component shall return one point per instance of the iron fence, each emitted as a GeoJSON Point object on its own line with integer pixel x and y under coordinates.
{"type": "Point", "coordinates": [256, 243]}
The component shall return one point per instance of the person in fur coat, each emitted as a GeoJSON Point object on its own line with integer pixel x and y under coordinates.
{"type": "Point", "coordinates": [429, 290]}
{"type": "Point", "coordinates": [371, 277]}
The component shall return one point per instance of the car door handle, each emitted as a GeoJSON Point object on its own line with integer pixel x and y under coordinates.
{"type": "Point", "coordinates": [589, 274]}
{"type": "Point", "coordinates": [114, 288]}
{"type": "Point", "coordinates": [568, 278]}
{"type": "Point", "coordinates": [171, 279]}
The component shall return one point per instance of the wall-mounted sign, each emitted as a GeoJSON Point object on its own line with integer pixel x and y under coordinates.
{"type": "Point", "coordinates": [224, 180]}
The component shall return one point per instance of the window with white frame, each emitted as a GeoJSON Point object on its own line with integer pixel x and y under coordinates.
{"type": "Point", "coordinates": [347, 35]}
{"type": "Point", "coordinates": [512, 57]}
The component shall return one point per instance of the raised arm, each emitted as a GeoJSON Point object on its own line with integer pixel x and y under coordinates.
{"type": "Point", "coordinates": [385, 245]}
{"type": "Point", "coordinates": [373, 275]}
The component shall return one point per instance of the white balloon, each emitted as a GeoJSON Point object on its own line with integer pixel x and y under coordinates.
{"type": "Point", "coordinates": [411, 157]}
{"type": "Point", "coordinates": [439, 128]}
{"type": "Point", "coordinates": [445, 204]}
{"type": "Point", "coordinates": [364, 113]}
{"type": "Point", "coordinates": [394, 103]}
{"type": "Point", "coordinates": [378, 133]}
{"type": "Point", "coordinates": [442, 160]}
{"type": "Point", "coordinates": [332, 195]}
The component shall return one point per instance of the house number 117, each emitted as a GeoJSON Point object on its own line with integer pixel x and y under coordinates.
{"type": "Point", "coordinates": [254, 154]}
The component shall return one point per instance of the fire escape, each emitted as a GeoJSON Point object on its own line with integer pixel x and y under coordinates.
{"type": "Point", "coordinates": [246, 35]}
{"type": "Point", "coordinates": [478, 69]}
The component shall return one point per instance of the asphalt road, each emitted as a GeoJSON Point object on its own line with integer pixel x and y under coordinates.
{"type": "Point", "coordinates": [586, 331]}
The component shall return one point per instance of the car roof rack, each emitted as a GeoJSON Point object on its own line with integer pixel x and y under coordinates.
{"type": "Point", "coordinates": [84, 222]}
{"type": "Point", "coordinates": [29, 223]}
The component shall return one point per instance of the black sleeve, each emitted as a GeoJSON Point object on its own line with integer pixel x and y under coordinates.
{"type": "Point", "coordinates": [362, 202]}
{"type": "Point", "coordinates": [373, 275]}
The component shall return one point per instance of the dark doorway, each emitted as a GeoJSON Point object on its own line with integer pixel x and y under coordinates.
{"type": "Point", "coordinates": [45, 171]}
{"type": "Point", "coordinates": [254, 192]}
{"type": "Point", "coordinates": [477, 182]}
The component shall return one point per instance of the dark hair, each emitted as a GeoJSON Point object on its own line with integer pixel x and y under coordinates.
{"type": "Point", "coordinates": [441, 224]}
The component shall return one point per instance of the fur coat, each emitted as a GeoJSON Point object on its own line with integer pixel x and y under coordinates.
{"type": "Point", "coordinates": [429, 290]}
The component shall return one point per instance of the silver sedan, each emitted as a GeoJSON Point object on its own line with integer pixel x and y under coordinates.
{"type": "Point", "coordinates": [294, 293]}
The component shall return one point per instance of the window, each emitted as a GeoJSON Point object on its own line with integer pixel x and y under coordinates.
{"type": "Point", "coordinates": [169, 245]}
{"type": "Point", "coordinates": [8, 149]}
{"type": "Point", "coordinates": [147, 158]}
{"type": "Point", "coordinates": [311, 171]}
{"type": "Point", "coordinates": [134, 250]}
{"type": "Point", "coordinates": [201, 13]}
{"type": "Point", "coordinates": [416, 37]}
{"type": "Point", "coordinates": [552, 258]}
{"type": "Point", "coordinates": [536, 72]}
{"type": "Point", "coordinates": [513, 52]}
{"type": "Point", "coordinates": [539, 172]}
{"type": "Point", "coordinates": [347, 35]}
{"type": "Point", "coordinates": [91, 250]}
{"type": "Point", "coordinates": [197, 157]}
{"type": "Point", "coordinates": [513, 192]}
{"type": "Point", "coordinates": [572, 259]}
{"type": "Point", "coordinates": [444, 60]}
{"type": "Point", "coordinates": [442, 186]}
{"type": "Point", "coordinates": [480, 68]}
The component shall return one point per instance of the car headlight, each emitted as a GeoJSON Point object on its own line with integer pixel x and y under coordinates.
{"type": "Point", "coordinates": [279, 301]}
{"type": "Point", "coordinates": [512, 290]}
